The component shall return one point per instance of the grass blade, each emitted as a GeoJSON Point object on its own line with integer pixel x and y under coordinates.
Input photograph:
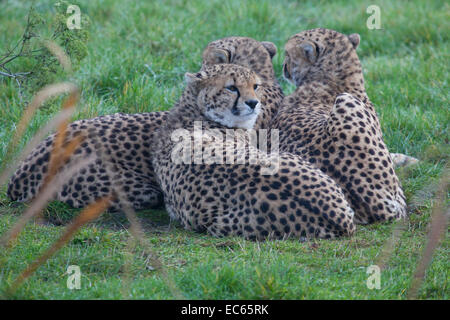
{"type": "Point", "coordinates": [438, 227]}
{"type": "Point", "coordinates": [88, 214]}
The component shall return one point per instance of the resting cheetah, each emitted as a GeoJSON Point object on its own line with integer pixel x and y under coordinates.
{"type": "Point", "coordinates": [127, 138]}
{"type": "Point", "coordinates": [302, 69]}
{"type": "Point", "coordinates": [238, 199]}
{"type": "Point", "coordinates": [256, 56]}
{"type": "Point", "coordinates": [120, 140]}
{"type": "Point", "coordinates": [338, 133]}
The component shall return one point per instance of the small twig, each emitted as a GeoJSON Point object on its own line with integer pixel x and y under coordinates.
{"type": "Point", "coordinates": [13, 75]}
{"type": "Point", "coordinates": [6, 74]}
{"type": "Point", "coordinates": [16, 52]}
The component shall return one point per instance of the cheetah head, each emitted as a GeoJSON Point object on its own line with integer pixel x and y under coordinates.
{"type": "Point", "coordinates": [318, 53]}
{"type": "Point", "coordinates": [246, 52]}
{"type": "Point", "coordinates": [227, 94]}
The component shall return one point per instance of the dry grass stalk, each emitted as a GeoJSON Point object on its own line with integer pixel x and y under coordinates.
{"type": "Point", "coordinates": [59, 53]}
{"type": "Point", "coordinates": [90, 213]}
{"type": "Point", "coordinates": [40, 97]}
{"type": "Point", "coordinates": [438, 227]}
{"type": "Point", "coordinates": [391, 243]}
{"type": "Point", "coordinates": [34, 142]}
{"type": "Point", "coordinates": [138, 234]}
{"type": "Point", "coordinates": [136, 230]}
{"type": "Point", "coordinates": [59, 157]}
{"type": "Point", "coordinates": [61, 152]}
{"type": "Point", "coordinates": [41, 201]}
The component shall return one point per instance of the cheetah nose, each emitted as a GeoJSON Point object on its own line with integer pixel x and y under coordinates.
{"type": "Point", "coordinates": [252, 103]}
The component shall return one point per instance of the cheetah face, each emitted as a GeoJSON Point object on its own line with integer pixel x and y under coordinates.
{"type": "Point", "coordinates": [227, 94]}
{"type": "Point", "coordinates": [228, 50]}
{"type": "Point", "coordinates": [318, 52]}
{"type": "Point", "coordinates": [246, 52]}
{"type": "Point", "coordinates": [299, 60]}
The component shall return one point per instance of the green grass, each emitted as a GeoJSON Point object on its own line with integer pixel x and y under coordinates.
{"type": "Point", "coordinates": [146, 47]}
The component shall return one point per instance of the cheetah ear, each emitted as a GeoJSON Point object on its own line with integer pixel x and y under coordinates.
{"type": "Point", "coordinates": [216, 56]}
{"type": "Point", "coordinates": [270, 47]}
{"type": "Point", "coordinates": [354, 39]}
{"type": "Point", "coordinates": [309, 51]}
{"type": "Point", "coordinates": [194, 78]}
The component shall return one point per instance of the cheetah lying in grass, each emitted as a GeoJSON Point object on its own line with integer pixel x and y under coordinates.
{"type": "Point", "coordinates": [298, 200]}
{"type": "Point", "coordinates": [249, 53]}
{"type": "Point", "coordinates": [330, 121]}
{"type": "Point", "coordinates": [120, 140]}
{"type": "Point", "coordinates": [125, 140]}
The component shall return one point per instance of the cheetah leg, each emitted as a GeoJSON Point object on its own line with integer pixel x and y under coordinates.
{"type": "Point", "coordinates": [363, 165]}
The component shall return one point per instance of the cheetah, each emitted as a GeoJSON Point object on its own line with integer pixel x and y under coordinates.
{"type": "Point", "coordinates": [121, 141]}
{"type": "Point", "coordinates": [126, 140]}
{"type": "Point", "coordinates": [302, 66]}
{"type": "Point", "coordinates": [256, 56]}
{"type": "Point", "coordinates": [330, 121]}
{"type": "Point", "coordinates": [238, 199]}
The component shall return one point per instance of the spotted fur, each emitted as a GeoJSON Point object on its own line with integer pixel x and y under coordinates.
{"type": "Point", "coordinates": [223, 199]}
{"type": "Point", "coordinates": [132, 166]}
{"type": "Point", "coordinates": [256, 56]}
{"type": "Point", "coordinates": [119, 146]}
{"type": "Point", "coordinates": [338, 133]}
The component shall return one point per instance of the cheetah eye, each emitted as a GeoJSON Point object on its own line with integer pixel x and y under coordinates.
{"type": "Point", "coordinates": [255, 86]}
{"type": "Point", "coordinates": [232, 88]}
